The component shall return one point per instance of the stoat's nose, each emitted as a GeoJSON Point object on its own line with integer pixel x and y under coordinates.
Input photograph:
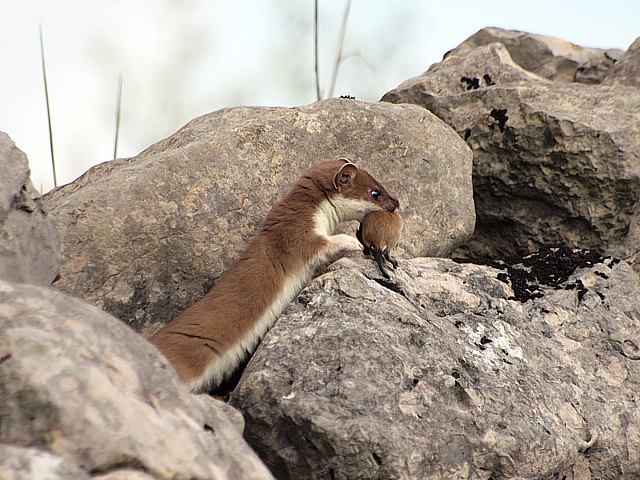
{"type": "Point", "coordinates": [395, 204]}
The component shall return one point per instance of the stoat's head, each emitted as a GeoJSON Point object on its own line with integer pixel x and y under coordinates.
{"type": "Point", "coordinates": [358, 193]}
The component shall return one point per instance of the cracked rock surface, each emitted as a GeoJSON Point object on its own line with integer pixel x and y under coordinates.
{"type": "Point", "coordinates": [556, 161]}
{"type": "Point", "coordinates": [29, 241]}
{"type": "Point", "coordinates": [83, 396]}
{"type": "Point", "coordinates": [441, 373]}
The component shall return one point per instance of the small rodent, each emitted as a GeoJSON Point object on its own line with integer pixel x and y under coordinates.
{"type": "Point", "coordinates": [379, 233]}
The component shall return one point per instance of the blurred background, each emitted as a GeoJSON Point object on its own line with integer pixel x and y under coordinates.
{"type": "Point", "coordinates": [179, 59]}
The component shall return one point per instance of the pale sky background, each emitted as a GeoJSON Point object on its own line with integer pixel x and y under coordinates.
{"type": "Point", "coordinates": [183, 58]}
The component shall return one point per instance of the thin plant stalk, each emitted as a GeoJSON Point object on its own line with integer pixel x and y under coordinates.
{"type": "Point", "coordinates": [315, 44]}
{"type": "Point", "coordinates": [343, 32]}
{"type": "Point", "coordinates": [46, 96]}
{"type": "Point", "coordinates": [118, 116]}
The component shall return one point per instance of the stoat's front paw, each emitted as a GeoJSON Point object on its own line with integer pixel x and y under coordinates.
{"type": "Point", "coordinates": [343, 243]}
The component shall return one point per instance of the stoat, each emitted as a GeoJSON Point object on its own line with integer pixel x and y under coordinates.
{"type": "Point", "coordinates": [379, 233]}
{"type": "Point", "coordinates": [211, 338]}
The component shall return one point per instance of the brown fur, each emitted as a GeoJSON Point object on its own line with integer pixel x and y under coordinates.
{"type": "Point", "coordinates": [286, 244]}
{"type": "Point", "coordinates": [380, 232]}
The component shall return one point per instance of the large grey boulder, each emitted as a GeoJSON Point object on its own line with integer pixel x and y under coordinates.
{"type": "Point", "coordinates": [81, 385]}
{"type": "Point", "coordinates": [147, 236]}
{"type": "Point", "coordinates": [29, 242]}
{"type": "Point", "coordinates": [554, 162]}
{"type": "Point", "coordinates": [549, 57]}
{"type": "Point", "coordinates": [442, 374]}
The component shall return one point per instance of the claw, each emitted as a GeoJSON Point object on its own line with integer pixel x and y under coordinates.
{"type": "Point", "coordinates": [390, 259]}
{"type": "Point", "coordinates": [379, 258]}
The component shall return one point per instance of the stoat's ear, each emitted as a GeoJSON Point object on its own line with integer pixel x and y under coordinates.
{"type": "Point", "coordinates": [345, 175]}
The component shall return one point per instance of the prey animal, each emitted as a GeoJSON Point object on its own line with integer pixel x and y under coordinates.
{"type": "Point", "coordinates": [379, 233]}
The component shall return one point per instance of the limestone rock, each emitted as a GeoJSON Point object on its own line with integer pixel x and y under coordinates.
{"type": "Point", "coordinates": [627, 70]}
{"type": "Point", "coordinates": [440, 374]}
{"type": "Point", "coordinates": [124, 475]}
{"type": "Point", "coordinates": [82, 385]}
{"type": "Point", "coordinates": [19, 463]}
{"type": "Point", "coordinates": [146, 237]}
{"type": "Point", "coordinates": [549, 57]}
{"type": "Point", "coordinates": [554, 163]}
{"type": "Point", "coordinates": [29, 243]}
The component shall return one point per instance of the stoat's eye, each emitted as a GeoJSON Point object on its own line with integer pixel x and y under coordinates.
{"type": "Point", "coordinates": [375, 194]}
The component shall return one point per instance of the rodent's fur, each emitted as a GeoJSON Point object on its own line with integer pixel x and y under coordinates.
{"type": "Point", "coordinates": [379, 233]}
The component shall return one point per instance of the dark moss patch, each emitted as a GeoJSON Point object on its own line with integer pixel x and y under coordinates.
{"type": "Point", "coordinates": [551, 266]}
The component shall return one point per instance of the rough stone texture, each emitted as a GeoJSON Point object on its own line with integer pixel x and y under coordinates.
{"type": "Point", "coordinates": [440, 375]}
{"type": "Point", "coordinates": [18, 463]}
{"type": "Point", "coordinates": [29, 243]}
{"type": "Point", "coordinates": [554, 163]}
{"type": "Point", "coordinates": [77, 382]}
{"type": "Point", "coordinates": [627, 70]}
{"type": "Point", "coordinates": [147, 236]}
{"type": "Point", "coordinates": [549, 57]}
{"type": "Point", "coordinates": [124, 475]}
